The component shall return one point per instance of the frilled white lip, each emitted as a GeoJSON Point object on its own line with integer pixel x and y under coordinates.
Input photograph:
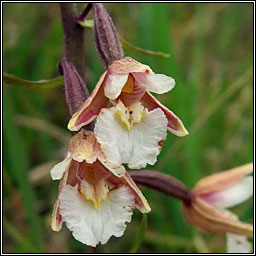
{"type": "Point", "coordinates": [90, 226]}
{"type": "Point", "coordinates": [136, 147]}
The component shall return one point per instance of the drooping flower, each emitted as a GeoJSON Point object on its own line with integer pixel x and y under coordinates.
{"type": "Point", "coordinates": [133, 129]}
{"type": "Point", "coordinates": [93, 200]}
{"type": "Point", "coordinates": [215, 193]}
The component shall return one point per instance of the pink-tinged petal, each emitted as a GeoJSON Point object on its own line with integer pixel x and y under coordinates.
{"type": "Point", "coordinates": [140, 201]}
{"type": "Point", "coordinates": [157, 83]}
{"type": "Point", "coordinates": [210, 219]}
{"type": "Point", "coordinates": [175, 125]}
{"type": "Point", "coordinates": [128, 65]}
{"type": "Point", "coordinates": [237, 244]}
{"type": "Point", "coordinates": [91, 107]}
{"type": "Point", "coordinates": [114, 84]}
{"type": "Point", "coordinates": [134, 96]}
{"type": "Point", "coordinates": [231, 196]}
{"type": "Point", "coordinates": [56, 221]}
{"type": "Point", "coordinates": [222, 180]}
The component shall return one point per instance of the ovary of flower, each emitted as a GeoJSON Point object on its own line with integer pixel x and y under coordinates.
{"type": "Point", "coordinates": [94, 201]}
{"type": "Point", "coordinates": [131, 82]}
{"type": "Point", "coordinates": [213, 195]}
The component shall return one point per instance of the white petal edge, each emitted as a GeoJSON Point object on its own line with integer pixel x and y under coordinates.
{"type": "Point", "coordinates": [58, 169]}
{"type": "Point", "coordinates": [92, 226]}
{"type": "Point", "coordinates": [158, 83]}
{"type": "Point", "coordinates": [117, 170]}
{"type": "Point", "coordinates": [114, 85]}
{"type": "Point", "coordinates": [236, 194]}
{"type": "Point", "coordinates": [237, 244]}
{"type": "Point", "coordinates": [136, 147]}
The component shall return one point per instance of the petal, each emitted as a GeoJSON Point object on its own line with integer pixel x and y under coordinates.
{"type": "Point", "coordinates": [117, 170]}
{"type": "Point", "coordinates": [231, 196]}
{"type": "Point", "coordinates": [136, 147]}
{"type": "Point", "coordinates": [134, 96]}
{"type": "Point", "coordinates": [58, 170]}
{"type": "Point", "coordinates": [210, 219]}
{"type": "Point", "coordinates": [91, 226]}
{"type": "Point", "coordinates": [114, 84]}
{"type": "Point", "coordinates": [91, 107]}
{"type": "Point", "coordinates": [56, 220]}
{"type": "Point", "coordinates": [175, 125]}
{"type": "Point", "coordinates": [128, 65]}
{"type": "Point", "coordinates": [157, 83]}
{"type": "Point", "coordinates": [222, 180]}
{"type": "Point", "coordinates": [118, 180]}
{"type": "Point", "coordinates": [140, 201]}
{"type": "Point", "coordinates": [237, 244]}
{"type": "Point", "coordinates": [84, 146]}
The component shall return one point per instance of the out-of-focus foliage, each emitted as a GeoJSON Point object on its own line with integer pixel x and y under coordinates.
{"type": "Point", "coordinates": [211, 49]}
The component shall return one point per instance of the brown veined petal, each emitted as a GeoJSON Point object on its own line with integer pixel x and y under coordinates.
{"type": "Point", "coordinates": [209, 219]}
{"type": "Point", "coordinates": [175, 125]}
{"type": "Point", "coordinates": [91, 107]}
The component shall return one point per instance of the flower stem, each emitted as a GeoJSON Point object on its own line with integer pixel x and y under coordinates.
{"type": "Point", "coordinates": [163, 183]}
{"type": "Point", "coordinates": [73, 37]}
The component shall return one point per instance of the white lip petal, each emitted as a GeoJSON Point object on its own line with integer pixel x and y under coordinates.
{"type": "Point", "coordinates": [58, 170]}
{"type": "Point", "coordinates": [93, 226]}
{"type": "Point", "coordinates": [158, 83]}
{"type": "Point", "coordinates": [235, 194]}
{"type": "Point", "coordinates": [114, 84]}
{"type": "Point", "coordinates": [237, 244]}
{"type": "Point", "coordinates": [136, 147]}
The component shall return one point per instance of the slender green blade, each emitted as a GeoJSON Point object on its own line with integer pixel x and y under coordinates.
{"type": "Point", "coordinates": [41, 84]}
{"type": "Point", "coordinates": [140, 235]}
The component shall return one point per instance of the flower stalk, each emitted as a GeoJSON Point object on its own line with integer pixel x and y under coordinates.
{"type": "Point", "coordinates": [163, 183]}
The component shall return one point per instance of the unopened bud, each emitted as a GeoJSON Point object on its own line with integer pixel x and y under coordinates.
{"type": "Point", "coordinates": [76, 91]}
{"type": "Point", "coordinates": [106, 38]}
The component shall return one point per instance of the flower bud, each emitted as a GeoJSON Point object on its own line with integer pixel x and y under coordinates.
{"type": "Point", "coordinates": [75, 89]}
{"type": "Point", "coordinates": [106, 38]}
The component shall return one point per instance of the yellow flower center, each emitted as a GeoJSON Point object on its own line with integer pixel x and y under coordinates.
{"type": "Point", "coordinates": [131, 115]}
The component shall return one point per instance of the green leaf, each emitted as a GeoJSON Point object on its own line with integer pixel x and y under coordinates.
{"type": "Point", "coordinates": [130, 46]}
{"type": "Point", "coordinates": [41, 84]}
{"type": "Point", "coordinates": [140, 235]}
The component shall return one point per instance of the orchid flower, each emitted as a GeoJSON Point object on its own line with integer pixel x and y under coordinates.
{"type": "Point", "coordinates": [213, 195]}
{"type": "Point", "coordinates": [133, 129]}
{"type": "Point", "coordinates": [93, 200]}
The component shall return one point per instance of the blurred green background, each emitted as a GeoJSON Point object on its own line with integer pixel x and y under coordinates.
{"type": "Point", "coordinates": [211, 59]}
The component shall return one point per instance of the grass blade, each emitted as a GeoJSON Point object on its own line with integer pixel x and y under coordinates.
{"type": "Point", "coordinates": [140, 235]}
